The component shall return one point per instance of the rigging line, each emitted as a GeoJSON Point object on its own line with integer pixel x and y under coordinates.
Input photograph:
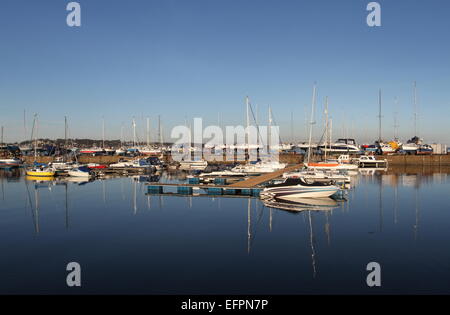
{"type": "Point", "coordinates": [256, 123]}
{"type": "Point", "coordinates": [279, 136]}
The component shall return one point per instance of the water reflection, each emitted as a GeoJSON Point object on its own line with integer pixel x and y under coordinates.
{"type": "Point", "coordinates": [386, 212]}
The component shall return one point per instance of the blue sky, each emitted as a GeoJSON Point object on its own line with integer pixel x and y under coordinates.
{"type": "Point", "coordinates": [197, 58]}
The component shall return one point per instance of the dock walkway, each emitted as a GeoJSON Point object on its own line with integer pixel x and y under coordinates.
{"type": "Point", "coordinates": [254, 181]}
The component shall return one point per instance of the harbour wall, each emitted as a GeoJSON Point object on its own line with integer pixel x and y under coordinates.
{"type": "Point", "coordinates": [430, 160]}
{"type": "Point", "coordinates": [289, 158]}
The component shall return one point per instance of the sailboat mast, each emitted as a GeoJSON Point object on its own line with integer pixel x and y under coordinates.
{"type": "Point", "coordinates": [103, 132]}
{"type": "Point", "coordinates": [1, 139]}
{"type": "Point", "coordinates": [134, 133]}
{"type": "Point", "coordinates": [292, 127]}
{"type": "Point", "coordinates": [311, 123]}
{"type": "Point", "coordinates": [326, 126]}
{"type": "Point", "coordinates": [396, 119]}
{"type": "Point", "coordinates": [35, 137]}
{"type": "Point", "coordinates": [330, 133]}
{"type": "Point", "coordinates": [148, 132]}
{"type": "Point", "coordinates": [24, 124]}
{"type": "Point", "coordinates": [247, 103]}
{"type": "Point", "coordinates": [65, 132]}
{"type": "Point", "coordinates": [415, 108]}
{"type": "Point", "coordinates": [161, 141]}
{"type": "Point", "coordinates": [269, 141]}
{"type": "Point", "coordinates": [379, 116]}
{"type": "Point", "coordinates": [121, 135]}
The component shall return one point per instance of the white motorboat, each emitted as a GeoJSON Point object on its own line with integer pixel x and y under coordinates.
{"type": "Point", "coordinates": [412, 145]}
{"type": "Point", "coordinates": [150, 151]}
{"type": "Point", "coordinates": [370, 161]}
{"type": "Point", "coordinates": [138, 163]}
{"type": "Point", "coordinates": [81, 171]}
{"type": "Point", "coordinates": [63, 166]}
{"type": "Point", "coordinates": [320, 175]}
{"type": "Point", "coordinates": [13, 162]}
{"type": "Point", "coordinates": [92, 151]}
{"type": "Point", "coordinates": [259, 167]}
{"type": "Point", "coordinates": [198, 165]}
{"type": "Point", "coordinates": [341, 146]}
{"type": "Point", "coordinates": [299, 188]}
{"type": "Point", "coordinates": [225, 173]}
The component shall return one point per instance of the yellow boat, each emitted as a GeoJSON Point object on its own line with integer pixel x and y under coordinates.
{"type": "Point", "coordinates": [46, 172]}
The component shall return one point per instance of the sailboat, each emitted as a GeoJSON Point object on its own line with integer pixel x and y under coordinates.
{"type": "Point", "coordinates": [39, 169]}
{"type": "Point", "coordinates": [342, 163]}
{"type": "Point", "coordinates": [259, 166]}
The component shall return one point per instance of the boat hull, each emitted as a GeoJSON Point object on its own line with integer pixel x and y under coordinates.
{"type": "Point", "coordinates": [41, 174]}
{"type": "Point", "coordinates": [79, 174]}
{"type": "Point", "coordinates": [298, 191]}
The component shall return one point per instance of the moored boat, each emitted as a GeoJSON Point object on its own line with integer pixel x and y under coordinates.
{"type": "Point", "coordinates": [41, 171]}
{"type": "Point", "coordinates": [259, 167]}
{"type": "Point", "coordinates": [299, 188]}
{"type": "Point", "coordinates": [369, 161]}
{"type": "Point", "coordinates": [198, 165]}
{"type": "Point", "coordinates": [82, 171]}
{"type": "Point", "coordinates": [12, 162]}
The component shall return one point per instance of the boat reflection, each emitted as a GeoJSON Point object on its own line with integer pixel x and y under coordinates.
{"type": "Point", "coordinates": [302, 204]}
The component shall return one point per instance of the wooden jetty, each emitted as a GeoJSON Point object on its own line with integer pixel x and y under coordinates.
{"type": "Point", "coordinates": [248, 187]}
{"type": "Point", "coordinates": [258, 180]}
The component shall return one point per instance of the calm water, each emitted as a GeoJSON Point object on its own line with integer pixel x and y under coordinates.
{"type": "Point", "coordinates": [129, 242]}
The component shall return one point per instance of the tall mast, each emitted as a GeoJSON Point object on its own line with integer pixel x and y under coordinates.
{"type": "Point", "coordinates": [24, 123]}
{"type": "Point", "coordinates": [269, 141]}
{"type": "Point", "coordinates": [161, 139]}
{"type": "Point", "coordinates": [379, 116]}
{"type": "Point", "coordinates": [148, 132]}
{"type": "Point", "coordinates": [35, 136]}
{"type": "Point", "coordinates": [65, 132]}
{"type": "Point", "coordinates": [134, 133]}
{"type": "Point", "coordinates": [395, 119]}
{"type": "Point", "coordinates": [415, 108]}
{"type": "Point", "coordinates": [331, 131]}
{"type": "Point", "coordinates": [103, 132]}
{"type": "Point", "coordinates": [1, 139]}
{"type": "Point", "coordinates": [121, 135]}
{"type": "Point", "coordinates": [292, 126]}
{"type": "Point", "coordinates": [257, 124]}
{"type": "Point", "coordinates": [247, 103]}
{"type": "Point", "coordinates": [326, 126]}
{"type": "Point", "coordinates": [311, 122]}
